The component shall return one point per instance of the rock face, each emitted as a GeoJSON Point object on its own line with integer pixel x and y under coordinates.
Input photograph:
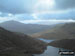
{"type": "Point", "coordinates": [13, 44]}
{"type": "Point", "coordinates": [64, 43]}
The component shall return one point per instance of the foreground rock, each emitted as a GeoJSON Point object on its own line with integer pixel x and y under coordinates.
{"type": "Point", "coordinates": [64, 43]}
{"type": "Point", "coordinates": [19, 45]}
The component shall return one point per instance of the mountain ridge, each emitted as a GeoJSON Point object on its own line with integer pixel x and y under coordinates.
{"type": "Point", "coordinates": [63, 31]}
{"type": "Point", "coordinates": [16, 26]}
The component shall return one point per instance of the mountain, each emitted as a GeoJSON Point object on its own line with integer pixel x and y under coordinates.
{"type": "Point", "coordinates": [64, 43]}
{"type": "Point", "coordinates": [16, 26]}
{"type": "Point", "coordinates": [12, 44]}
{"type": "Point", "coordinates": [61, 31]}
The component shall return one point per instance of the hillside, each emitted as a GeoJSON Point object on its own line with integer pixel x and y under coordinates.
{"type": "Point", "coordinates": [61, 31]}
{"type": "Point", "coordinates": [64, 43]}
{"type": "Point", "coordinates": [12, 44]}
{"type": "Point", "coordinates": [16, 26]}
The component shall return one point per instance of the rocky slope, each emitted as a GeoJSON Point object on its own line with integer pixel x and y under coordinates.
{"type": "Point", "coordinates": [64, 43]}
{"type": "Point", "coordinates": [12, 44]}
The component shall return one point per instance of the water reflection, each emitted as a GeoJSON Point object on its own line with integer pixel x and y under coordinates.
{"type": "Point", "coordinates": [51, 51]}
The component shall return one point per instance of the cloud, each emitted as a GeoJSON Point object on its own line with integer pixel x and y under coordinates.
{"type": "Point", "coordinates": [8, 17]}
{"type": "Point", "coordinates": [5, 14]}
{"type": "Point", "coordinates": [59, 15]}
{"type": "Point", "coordinates": [25, 16]}
{"type": "Point", "coordinates": [65, 4]}
{"type": "Point", "coordinates": [27, 6]}
{"type": "Point", "coordinates": [17, 17]}
{"type": "Point", "coordinates": [35, 16]}
{"type": "Point", "coordinates": [34, 21]}
{"type": "Point", "coordinates": [2, 19]}
{"type": "Point", "coordinates": [46, 22]}
{"type": "Point", "coordinates": [17, 6]}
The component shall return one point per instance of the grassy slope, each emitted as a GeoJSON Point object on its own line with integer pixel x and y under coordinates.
{"type": "Point", "coordinates": [59, 32]}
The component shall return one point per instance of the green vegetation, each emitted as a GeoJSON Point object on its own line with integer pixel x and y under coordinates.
{"type": "Point", "coordinates": [62, 31]}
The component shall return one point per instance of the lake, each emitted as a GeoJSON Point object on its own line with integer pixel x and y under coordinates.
{"type": "Point", "coordinates": [51, 51]}
{"type": "Point", "coordinates": [46, 40]}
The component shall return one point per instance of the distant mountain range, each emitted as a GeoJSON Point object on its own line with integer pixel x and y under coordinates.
{"type": "Point", "coordinates": [12, 44]}
{"type": "Point", "coordinates": [16, 26]}
{"type": "Point", "coordinates": [62, 31]}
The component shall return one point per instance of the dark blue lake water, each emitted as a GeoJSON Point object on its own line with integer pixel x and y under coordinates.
{"type": "Point", "coordinates": [51, 51]}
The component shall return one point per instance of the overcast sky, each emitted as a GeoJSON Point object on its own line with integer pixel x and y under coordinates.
{"type": "Point", "coordinates": [37, 11]}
